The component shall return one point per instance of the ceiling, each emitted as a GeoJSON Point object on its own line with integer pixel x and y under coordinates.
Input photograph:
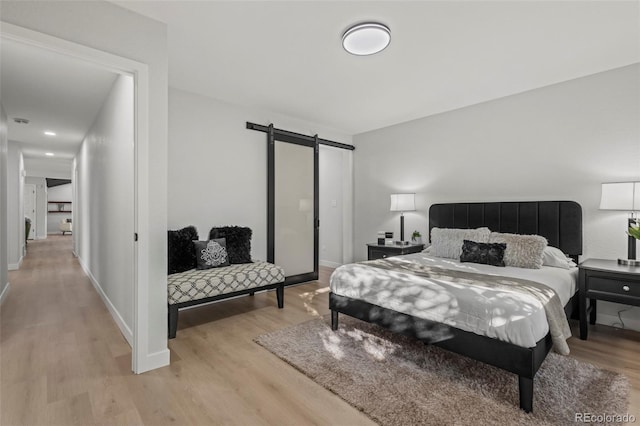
{"type": "Point", "coordinates": [287, 56]}
{"type": "Point", "coordinates": [55, 92]}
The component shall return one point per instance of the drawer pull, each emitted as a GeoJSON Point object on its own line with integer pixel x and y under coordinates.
{"type": "Point", "coordinates": [625, 287]}
{"type": "Point", "coordinates": [384, 255]}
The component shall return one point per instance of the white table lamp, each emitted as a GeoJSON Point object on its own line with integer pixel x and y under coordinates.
{"type": "Point", "coordinates": [403, 203]}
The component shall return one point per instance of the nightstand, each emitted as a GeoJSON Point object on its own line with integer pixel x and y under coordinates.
{"type": "Point", "coordinates": [380, 251]}
{"type": "Point", "coordinates": [605, 280]}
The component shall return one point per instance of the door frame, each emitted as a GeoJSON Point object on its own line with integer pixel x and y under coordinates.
{"type": "Point", "coordinates": [272, 138]}
{"type": "Point", "coordinates": [34, 218]}
{"type": "Point", "coordinates": [142, 360]}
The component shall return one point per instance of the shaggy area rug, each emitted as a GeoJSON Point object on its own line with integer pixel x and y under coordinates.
{"type": "Point", "coordinates": [396, 380]}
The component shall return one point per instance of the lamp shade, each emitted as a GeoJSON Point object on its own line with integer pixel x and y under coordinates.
{"type": "Point", "coordinates": [403, 202]}
{"type": "Point", "coordinates": [620, 196]}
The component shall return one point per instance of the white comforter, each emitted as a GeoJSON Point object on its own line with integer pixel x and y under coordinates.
{"type": "Point", "coordinates": [501, 314]}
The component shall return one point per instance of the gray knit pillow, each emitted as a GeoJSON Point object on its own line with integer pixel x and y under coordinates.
{"type": "Point", "coordinates": [523, 251]}
{"type": "Point", "coordinates": [446, 242]}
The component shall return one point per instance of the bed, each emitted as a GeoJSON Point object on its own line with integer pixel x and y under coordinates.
{"type": "Point", "coordinates": [560, 222]}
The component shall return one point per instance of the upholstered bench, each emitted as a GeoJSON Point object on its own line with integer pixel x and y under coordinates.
{"type": "Point", "coordinates": [199, 286]}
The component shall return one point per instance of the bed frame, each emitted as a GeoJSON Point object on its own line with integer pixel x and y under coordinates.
{"type": "Point", "coordinates": [558, 221]}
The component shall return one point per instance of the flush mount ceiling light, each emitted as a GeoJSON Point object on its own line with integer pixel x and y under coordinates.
{"type": "Point", "coordinates": [49, 133]}
{"type": "Point", "coordinates": [366, 38]}
{"type": "Point", "coordinates": [49, 154]}
{"type": "Point", "coordinates": [20, 120]}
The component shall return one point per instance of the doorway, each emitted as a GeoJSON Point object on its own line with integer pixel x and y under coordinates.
{"type": "Point", "coordinates": [31, 223]}
{"type": "Point", "coordinates": [137, 330]}
{"type": "Point", "coordinates": [293, 193]}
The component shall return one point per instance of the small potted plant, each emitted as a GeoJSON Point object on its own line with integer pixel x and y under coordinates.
{"type": "Point", "coordinates": [416, 237]}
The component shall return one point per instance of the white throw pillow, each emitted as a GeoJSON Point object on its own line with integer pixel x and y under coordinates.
{"type": "Point", "coordinates": [523, 251]}
{"type": "Point", "coordinates": [556, 258]}
{"type": "Point", "coordinates": [446, 242]}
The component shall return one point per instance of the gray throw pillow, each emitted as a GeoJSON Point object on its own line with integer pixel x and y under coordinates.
{"type": "Point", "coordinates": [523, 251]}
{"type": "Point", "coordinates": [211, 254]}
{"type": "Point", "coordinates": [447, 242]}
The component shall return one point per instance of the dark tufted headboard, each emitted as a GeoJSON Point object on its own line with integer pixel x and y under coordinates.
{"type": "Point", "coordinates": [560, 222]}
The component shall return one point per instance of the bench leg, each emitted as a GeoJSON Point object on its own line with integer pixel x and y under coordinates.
{"type": "Point", "coordinates": [280, 295]}
{"type": "Point", "coordinates": [334, 320]}
{"type": "Point", "coordinates": [173, 321]}
{"type": "Point", "coordinates": [252, 293]}
{"type": "Point", "coordinates": [526, 393]}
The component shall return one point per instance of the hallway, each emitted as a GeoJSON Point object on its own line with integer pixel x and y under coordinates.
{"type": "Point", "coordinates": [62, 357]}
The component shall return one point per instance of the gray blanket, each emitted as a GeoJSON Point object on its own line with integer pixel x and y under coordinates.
{"type": "Point", "coordinates": [556, 317]}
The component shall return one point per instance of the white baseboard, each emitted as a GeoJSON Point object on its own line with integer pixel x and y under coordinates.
{"type": "Point", "coordinates": [629, 323]}
{"type": "Point", "coordinates": [15, 266]}
{"type": "Point", "coordinates": [329, 264]}
{"type": "Point", "coordinates": [5, 293]}
{"type": "Point", "coordinates": [124, 329]}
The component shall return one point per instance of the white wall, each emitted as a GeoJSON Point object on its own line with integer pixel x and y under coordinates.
{"type": "Point", "coordinates": [4, 147]}
{"type": "Point", "coordinates": [48, 167]}
{"type": "Point", "coordinates": [58, 193]}
{"type": "Point", "coordinates": [41, 204]}
{"type": "Point", "coordinates": [15, 206]}
{"type": "Point", "coordinates": [556, 143]}
{"type": "Point", "coordinates": [218, 168]}
{"type": "Point", "coordinates": [104, 26]}
{"type": "Point", "coordinates": [105, 213]}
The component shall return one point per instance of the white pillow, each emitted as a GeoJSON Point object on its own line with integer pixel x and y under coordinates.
{"type": "Point", "coordinates": [523, 251]}
{"type": "Point", "coordinates": [446, 242]}
{"type": "Point", "coordinates": [556, 258]}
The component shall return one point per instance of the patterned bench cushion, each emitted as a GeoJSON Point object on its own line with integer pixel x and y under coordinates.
{"type": "Point", "coordinates": [199, 284]}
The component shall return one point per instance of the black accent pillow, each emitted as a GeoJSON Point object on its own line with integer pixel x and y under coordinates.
{"type": "Point", "coordinates": [484, 253]}
{"type": "Point", "coordinates": [211, 254]}
{"type": "Point", "coordinates": [181, 254]}
{"type": "Point", "coordinates": [238, 242]}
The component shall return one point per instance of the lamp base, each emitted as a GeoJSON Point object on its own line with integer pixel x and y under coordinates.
{"type": "Point", "coordinates": [629, 262]}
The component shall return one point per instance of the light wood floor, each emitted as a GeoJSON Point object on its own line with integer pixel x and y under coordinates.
{"type": "Point", "coordinates": [63, 360]}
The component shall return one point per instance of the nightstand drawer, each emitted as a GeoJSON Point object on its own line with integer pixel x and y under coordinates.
{"type": "Point", "coordinates": [614, 286]}
{"type": "Point", "coordinates": [378, 251]}
{"type": "Point", "coordinates": [378, 254]}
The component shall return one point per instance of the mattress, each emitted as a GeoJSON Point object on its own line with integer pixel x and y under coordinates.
{"type": "Point", "coordinates": [499, 313]}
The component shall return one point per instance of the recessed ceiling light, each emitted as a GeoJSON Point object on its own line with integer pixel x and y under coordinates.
{"type": "Point", "coordinates": [49, 154]}
{"type": "Point", "coordinates": [49, 133]}
{"type": "Point", "coordinates": [366, 38]}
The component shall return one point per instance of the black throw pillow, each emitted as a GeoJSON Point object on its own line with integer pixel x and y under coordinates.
{"type": "Point", "coordinates": [238, 242]}
{"type": "Point", "coordinates": [181, 254]}
{"type": "Point", "coordinates": [211, 254]}
{"type": "Point", "coordinates": [484, 253]}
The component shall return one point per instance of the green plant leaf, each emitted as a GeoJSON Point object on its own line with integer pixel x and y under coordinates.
{"type": "Point", "coordinates": [634, 231]}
